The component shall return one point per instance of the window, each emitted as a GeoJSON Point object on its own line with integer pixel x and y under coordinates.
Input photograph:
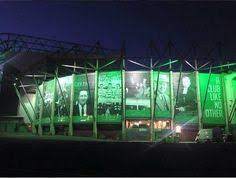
{"type": "Point", "coordinates": [162, 124]}
{"type": "Point", "coordinates": [137, 124]}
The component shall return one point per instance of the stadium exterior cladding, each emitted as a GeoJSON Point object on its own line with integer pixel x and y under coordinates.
{"type": "Point", "coordinates": [126, 105]}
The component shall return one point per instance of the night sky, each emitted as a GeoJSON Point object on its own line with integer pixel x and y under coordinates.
{"type": "Point", "coordinates": [135, 22]}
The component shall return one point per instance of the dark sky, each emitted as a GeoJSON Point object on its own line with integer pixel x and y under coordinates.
{"type": "Point", "coordinates": [135, 22]}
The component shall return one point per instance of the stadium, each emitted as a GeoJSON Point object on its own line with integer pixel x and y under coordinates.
{"type": "Point", "coordinates": [61, 88]}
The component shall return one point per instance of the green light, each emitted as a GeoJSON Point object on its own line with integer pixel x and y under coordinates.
{"type": "Point", "coordinates": [213, 111]}
{"type": "Point", "coordinates": [137, 92]}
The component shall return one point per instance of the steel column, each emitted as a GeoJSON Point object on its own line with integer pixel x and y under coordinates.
{"type": "Point", "coordinates": [52, 127]}
{"type": "Point", "coordinates": [172, 103]}
{"type": "Point", "coordinates": [123, 104]}
{"type": "Point", "coordinates": [40, 129]}
{"type": "Point", "coordinates": [152, 106]}
{"type": "Point", "coordinates": [199, 107]}
{"type": "Point", "coordinates": [224, 102]}
{"type": "Point", "coordinates": [95, 133]}
{"type": "Point", "coordinates": [71, 105]}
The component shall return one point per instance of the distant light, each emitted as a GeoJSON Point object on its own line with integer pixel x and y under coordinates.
{"type": "Point", "coordinates": [178, 129]}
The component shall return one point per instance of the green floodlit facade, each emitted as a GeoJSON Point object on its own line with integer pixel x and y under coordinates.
{"type": "Point", "coordinates": [131, 100]}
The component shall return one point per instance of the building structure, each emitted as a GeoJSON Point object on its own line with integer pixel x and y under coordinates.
{"type": "Point", "coordinates": [92, 93]}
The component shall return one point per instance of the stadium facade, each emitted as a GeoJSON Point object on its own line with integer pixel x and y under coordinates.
{"type": "Point", "coordinates": [129, 103]}
{"type": "Point", "coordinates": [100, 98]}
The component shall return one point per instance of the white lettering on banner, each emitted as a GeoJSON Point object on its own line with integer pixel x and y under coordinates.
{"type": "Point", "coordinates": [213, 113]}
{"type": "Point", "coordinates": [218, 105]}
{"type": "Point", "coordinates": [214, 88]}
{"type": "Point", "coordinates": [214, 95]}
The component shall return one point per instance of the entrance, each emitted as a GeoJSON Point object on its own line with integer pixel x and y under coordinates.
{"type": "Point", "coordinates": [162, 129]}
{"type": "Point", "coordinates": [138, 130]}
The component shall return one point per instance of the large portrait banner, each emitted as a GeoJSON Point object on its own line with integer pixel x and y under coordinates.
{"type": "Point", "coordinates": [83, 98]}
{"type": "Point", "coordinates": [62, 99]}
{"type": "Point", "coordinates": [137, 94]}
{"type": "Point", "coordinates": [162, 94]}
{"type": "Point", "coordinates": [48, 101]}
{"type": "Point", "coordinates": [185, 98]}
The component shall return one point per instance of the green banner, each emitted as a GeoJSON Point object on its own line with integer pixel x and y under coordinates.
{"type": "Point", "coordinates": [185, 98]}
{"type": "Point", "coordinates": [62, 99]}
{"type": "Point", "coordinates": [213, 109]}
{"type": "Point", "coordinates": [137, 94]}
{"type": "Point", "coordinates": [162, 109]}
{"type": "Point", "coordinates": [48, 99]}
{"type": "Point", "coordinates": [109, 97]}
{"type": "Point", "coordinates": [83, 98]}
{"type": "Point", "coordinates": [38, 102]}
{"type": "Point", "coordinates": [230, 87]}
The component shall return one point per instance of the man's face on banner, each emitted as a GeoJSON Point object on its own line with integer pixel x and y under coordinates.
{"type": "Point", "coordinates": [162, 87]}
{"type": "Point", "coordinates": [163, 84]}
{"type": "Point", "coordinates": [83, 97]}
{"type": "Point", "coordinates": [186, 82]}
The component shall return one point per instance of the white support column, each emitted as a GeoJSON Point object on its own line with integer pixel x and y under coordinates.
{"type": "Point", "coordinates": [71, 105]}
{"type": "Point", "coordinates": [40, 129]}
{"type": "Point", "coordinates": [224, 100]}
{"type": "Point", "coordinates": [152, 106]}
{"type": "Point", "coordinates": [172, 101]}
{"type": "Point", "coordinates": [52, 127]}
{"type": "Point", "coordinates": [123, 104]}
{"type": "Point", "coordinates": [95, 134]}
{"type": "Point", "coordinates": [199, 107]}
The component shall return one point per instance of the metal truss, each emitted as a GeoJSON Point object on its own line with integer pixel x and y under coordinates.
{"type": "Point", "coordinates": [16, 43]}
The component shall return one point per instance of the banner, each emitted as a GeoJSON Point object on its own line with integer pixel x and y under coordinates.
{"type": "Point", "coordinates": [230, 89]}
{"type": "Point", "coordinates": [213, 109]}
{"type": "Point", "coordinates": [109, 96]}
{"type": "Point", "coordinates": [185, 98]}
{"type": "Point", "coordinates": [62, 99]}
{"type": "Point", "coordinates": [137, 94]}
{"type": "Point", "coordinates": [83, 98]}
{"type": "Point", "coordinates": [162, 95]}
{"type": "Point", "coordinates": [38, 102]}
{"type": "Point", "coordinates": [48, 99]}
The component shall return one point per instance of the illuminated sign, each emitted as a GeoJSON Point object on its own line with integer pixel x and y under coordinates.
{"type": "Point", "coordinates": [137, 97]}
{"type": "Point", "coordinates": [162, 95]}
{"type": "Point", "coordinates": [213, 106]}
{"type": "Point", "coordinates": [185, 98]}
{"type": "Point", "coordinates": [83, 98]}
{"type": "Point", "coordinates": [62, 99]}
{"type": "Point", "coordinates": [109, 97]}
{"type": "Point", "coordinates": [137, 85]}
{"type": "Point", "coordinates": [48, 100]}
